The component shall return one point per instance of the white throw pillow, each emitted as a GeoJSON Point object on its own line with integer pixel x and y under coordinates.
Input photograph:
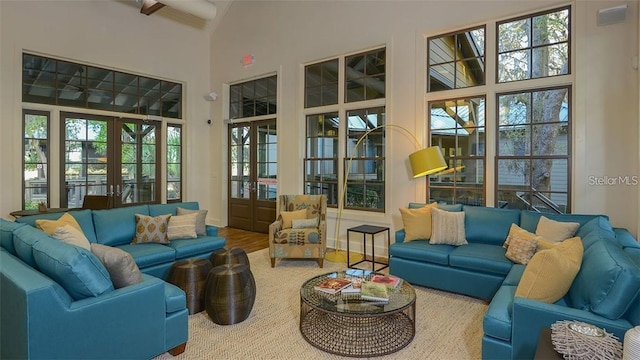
{"type": "Point", "coordinates": [182, 227]}
{"type": "Point", "coordinates": [304, 223]}
{"type": "Point", "coordinates": [556, 231]}
{"type": "Point", "coordinates": [70, 235]}
{"type": "Point", "coordinates": [122, 269]}
{"type": "Point", "coordinates": [201, 224]}
{"type": "Point", "coordinates": [447, 227]}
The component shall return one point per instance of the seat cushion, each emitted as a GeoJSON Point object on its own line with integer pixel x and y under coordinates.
{"type": "Point", "coordinates": [175, 299]}
{"type": "Point", "coordinates": [186, 248]}
{"type": "Point", "coordinates": [422, 251]}
{"type": "Point", "coordinates": [481, 257]}
{"type": "Point", "coordinates": [149, 254]}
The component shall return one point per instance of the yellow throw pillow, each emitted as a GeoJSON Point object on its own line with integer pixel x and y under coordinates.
{"type": "Point", "coordinates": [288, 216]}
{"type": "Point", "coordinates": [550, 272]}
{"type": "Point", "coordinates": [516, 230]}
{"type": "Point", "coordinates": [50, 226]}
{"type": "Point", "coordinates": [417, 222]}
{"type": "Point", "coordinates": [521, 249]}
{"type": "Point", "coordinates": [555, 231]}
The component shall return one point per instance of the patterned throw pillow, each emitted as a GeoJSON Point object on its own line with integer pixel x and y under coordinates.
{"type": "Point", "coordinates": [521, 249]}
{"type": "Point", "coordinates": [151, 229]}
{"type": "Point", "coordinates": [447, 227]}
{"type": "Point", "coordinates": [182, 227]}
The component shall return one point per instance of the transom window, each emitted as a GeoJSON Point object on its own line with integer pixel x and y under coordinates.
{"type": "Point", "coordinates": [456, 60]}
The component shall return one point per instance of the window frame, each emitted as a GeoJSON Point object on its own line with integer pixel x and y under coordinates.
{"type": "Point", "coordinates": [47, 141]}
{"type": "Point", "coordinates": [179, 162]}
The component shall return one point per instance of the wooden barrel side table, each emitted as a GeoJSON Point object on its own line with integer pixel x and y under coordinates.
{"type": "Point", "coordinates": [230, 293]}
{"type": "Point", "coordinates": [232, 256]}
{"type": "Point", "coordinates": [190, 275]}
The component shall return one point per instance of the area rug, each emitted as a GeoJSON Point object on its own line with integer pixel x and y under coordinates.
{"type": "Point", "coordinates": [448, 326]}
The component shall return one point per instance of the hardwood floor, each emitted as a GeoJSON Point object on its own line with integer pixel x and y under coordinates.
{"type": "Point", "coordinates": [247, 240]}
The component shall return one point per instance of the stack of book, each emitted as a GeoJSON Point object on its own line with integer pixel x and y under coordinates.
{"type": "Point", "coordinates": [373, 291]}
{"type": "Point", "coordinates": [391, 282]}
{"type": "Point", "coordinates": [333, 285]}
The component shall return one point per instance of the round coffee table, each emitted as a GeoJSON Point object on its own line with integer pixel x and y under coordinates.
{"type": "Point", "coordinates": [349, 326]}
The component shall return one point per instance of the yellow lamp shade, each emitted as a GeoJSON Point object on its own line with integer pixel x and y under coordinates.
{"type": "Point", "coordinates": [427, 161]}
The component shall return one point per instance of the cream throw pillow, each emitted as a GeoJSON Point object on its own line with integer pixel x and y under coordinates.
{"type": "Point", "coordinates": [555, 231]}
{"type": "Point", "coordinates": [70, 235]}
{"type": "Point", "coordinates": [201, 219]}
{"type": "Point", "coordinates": [151, 229]}
{"type": "Point", "coordinates": [304, 223]}
{"type": "Point", "coordinates": [288, 216]}
{"type": "Point", "coordinates": [550, 272]}
{"type": "Point", "coordinates": [50, 226]}
{"type": "Point", "coordinates": [417, 222]}
{"type": "Point", "coordinates": [447, 227]}
{"type": "Point", "coordinates": [182, 227]}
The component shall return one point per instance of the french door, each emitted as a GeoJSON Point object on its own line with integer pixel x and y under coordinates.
{"type": "Point", "coordinates": [109, 156]}
{"type": "Point", "coordinates": [252, 175]}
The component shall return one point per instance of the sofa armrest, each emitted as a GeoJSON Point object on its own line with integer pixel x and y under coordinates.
{"type": "Point", "coordinates": [212, 230]}
{"type": "Point", "coordinates": [400, 236]}
{"type": "Point", "coordinates": [531, 316]}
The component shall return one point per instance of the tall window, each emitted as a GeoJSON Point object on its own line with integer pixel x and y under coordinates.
{"type": "Point", "coordinates": [458, 127]}
{"type": "Point", "coordinates": [174, 163]}
{"type": "Point", "coordinates": [339, 116]}
{"type": "Point", "coordinates": [35, 157]}
{"type": "Point", "coordinates": [532, 124]}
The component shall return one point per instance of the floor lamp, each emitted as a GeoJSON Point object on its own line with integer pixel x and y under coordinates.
{"type": "Point", "coordinates": [424, 162]}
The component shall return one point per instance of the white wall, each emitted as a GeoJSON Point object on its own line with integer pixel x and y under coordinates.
{"type": "Point", "coordinates": [284, 35]}
{"type": "Point", "coordinates": [112, 34]}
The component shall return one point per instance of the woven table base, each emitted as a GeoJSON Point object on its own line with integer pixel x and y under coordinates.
{"type": "Point", "coordinates": [357, 336]}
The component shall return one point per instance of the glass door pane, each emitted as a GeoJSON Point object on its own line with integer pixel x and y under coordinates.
{"type": "Point", "coordinates": [267, 144]}
{"type": "Point", "coordinates": [138, 162]}
{"type": "Point", "coordinates": [240, 162]}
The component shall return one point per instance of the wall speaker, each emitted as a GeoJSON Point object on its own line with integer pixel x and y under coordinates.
{"type": "Point", "coordinates": [612, 15]}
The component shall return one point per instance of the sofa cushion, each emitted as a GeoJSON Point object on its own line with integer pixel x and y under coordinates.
{"type": "Point", "coordinates": [23, 240]}
{"type": "Point", "coordinates": [171, 208]}
{"type": "Point", "coordinates": [120, 265]}
{"type": "Point", "coordinates": [83, 217]}
{"type": "Point", "coordinates": [153, 229]}
{"type": "Point", "coordinates": [447, 228]}
{"type": "Point", "coordinates": [117, 226]}
{"type": "Point", "coordinates": [174, 297]}
{"type": "Point", "coordinates": [201, 219]}
{"type": "Point", "coordinates": [76, 269]}
{"type": "Point", "coordinates": [422, 251]}
{"type": "Point", "coordinates": [6, 234]}
{"type": "Point", "coordinates": [72, 236]}
{"type": "Point", "coordinates": [497, 319]}
{"type": "Point", "coordinates": [149, 254]}
{"type": "Point", "coordinates": [555, 231]}
{"type": "Point", "coordinates": [488, 225]}
{"type": "Point", "coordinates": [607, 283]}
{"type": "Point", "coordinates": [595, 229]}
{"type": "Point", "coordinates": [529, 219]}
{"type": "Point", "coordinates": [182, 227]}
{"type": "Point", "coordinates": [186, 248]}
{"type": "Point", "coordinates": [549, 274]}
{"type": "Point", "coordinates": [481, 257]}
{"type": "Point", "coordinates": [417, 222]}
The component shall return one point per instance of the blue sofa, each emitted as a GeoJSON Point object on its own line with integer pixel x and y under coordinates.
{"type": "Point", "coordinates": [58, 300]}
{"type": "Point", "coordinates": [605, 292]}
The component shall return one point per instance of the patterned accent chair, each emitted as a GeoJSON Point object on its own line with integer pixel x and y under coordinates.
{"type": "Point", "coordinates": [295, 234]}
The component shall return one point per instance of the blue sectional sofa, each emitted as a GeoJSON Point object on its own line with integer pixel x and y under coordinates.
{"type": "Point", "coordinates": [58, 300]}
{"type": "Point", "coordinates": [605, 292]}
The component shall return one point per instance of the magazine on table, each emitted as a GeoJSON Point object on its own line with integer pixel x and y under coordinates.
{"type": "Point", "coordinates": [374, 291]}
{"type": "Point", "coordinates": [333, 285]}
{"type": "Point", "coordinates": [391, 282]}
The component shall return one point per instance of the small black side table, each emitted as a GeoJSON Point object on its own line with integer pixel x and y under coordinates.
{"type": "Point", "coordinates": [369, 230]}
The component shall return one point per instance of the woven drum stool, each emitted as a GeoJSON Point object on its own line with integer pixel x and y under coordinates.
{"type": "Point", "coordinates": [230, 293]}
{"type": "Point", "coordinates": [232, 256]}
{"type": "Point", "coordinates": [190, 275]}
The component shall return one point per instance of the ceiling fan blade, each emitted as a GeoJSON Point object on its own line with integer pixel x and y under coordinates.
{"type": "Point", "coordinates": [150, 6]}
